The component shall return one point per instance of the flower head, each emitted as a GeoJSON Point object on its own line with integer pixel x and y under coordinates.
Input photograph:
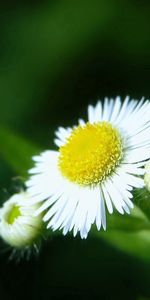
{"type": "Point", "coordinates": [18, 227]}
{"type": "Point", "coordinates": [97, 165]}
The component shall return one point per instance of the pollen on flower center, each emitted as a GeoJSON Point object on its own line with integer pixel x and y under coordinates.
{"type": "Point", "coordinates": [91, 153]}
{"type": "Point", "coordinates": [13, 214]}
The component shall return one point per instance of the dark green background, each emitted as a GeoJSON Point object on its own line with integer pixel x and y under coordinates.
{"type": "Point", "coordinates": [56, 57]}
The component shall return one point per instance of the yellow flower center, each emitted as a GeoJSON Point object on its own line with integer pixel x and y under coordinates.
{"type": "Point", "coordinates": [91, 153]}
{"type": "Point", "coordinates": [13, 214]}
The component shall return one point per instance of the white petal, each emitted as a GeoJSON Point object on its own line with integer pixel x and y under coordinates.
{"type": "Point", "coordinates": [98, 112]}
{"type": "Point", "coordinates": [91, 116]}
{"type": "Point", "coordinates": [116, 109]}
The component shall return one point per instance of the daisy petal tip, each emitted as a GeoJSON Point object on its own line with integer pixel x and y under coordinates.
{"type": "Point", "coordinates": [131, 205]}
{"type": "Point", "coordinates": [98, 227]}
{"type": "Point", "coordinates": [104, 228]}
{"type": "Point", "coordinates": [65, 232]}
{"type": "Point", "coordinates": [48, 226]}
{"type": "Point", "coordinates": [84, 237]}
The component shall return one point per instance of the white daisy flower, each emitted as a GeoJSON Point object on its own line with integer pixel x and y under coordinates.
{"type": "Point", "coordinates": [147, 175]}
{"type": "Point", "coordinates": [18, 226]}
{"type": "Point", "coordinates": [97, 165]}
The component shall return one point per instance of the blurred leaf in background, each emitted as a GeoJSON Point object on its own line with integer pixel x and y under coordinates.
{"type": "Point", "coordinates": [55, 58]}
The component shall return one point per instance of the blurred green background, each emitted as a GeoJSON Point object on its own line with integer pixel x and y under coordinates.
{"type": "Point", "coordinates": [56, 57]}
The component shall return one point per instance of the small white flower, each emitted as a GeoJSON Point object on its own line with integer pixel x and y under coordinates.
{"type": "Point", "coordinates": [98, 163]}
{"type": "Point", "coordinates": [18, 226]}
{"type": "Point", "coordinates": [147, 175]}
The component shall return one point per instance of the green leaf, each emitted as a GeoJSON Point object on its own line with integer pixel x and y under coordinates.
{"type": "Point", "coordinates": [134, 243]}
{"type": "Point", "coordinates": [16, 151]}
{"type": "Point", "coordinates": [129, 233]}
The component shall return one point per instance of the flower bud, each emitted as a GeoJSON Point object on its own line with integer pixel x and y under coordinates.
{"type": "Point", "coordinates": [18, 225]}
